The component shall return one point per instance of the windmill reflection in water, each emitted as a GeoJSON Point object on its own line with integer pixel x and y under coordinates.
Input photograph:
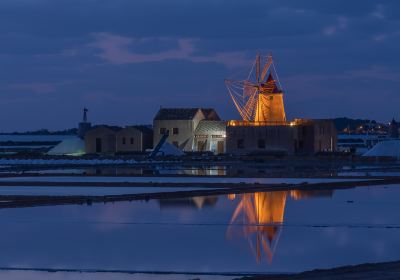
{"type": "Point", "coordinates": [259, 218]}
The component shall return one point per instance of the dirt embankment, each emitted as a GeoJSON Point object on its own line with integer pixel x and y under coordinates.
{"type": "Point", "coordinates": [379, 271]}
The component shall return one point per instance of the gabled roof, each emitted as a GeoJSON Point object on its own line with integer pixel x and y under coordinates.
{"type": "Point", "coordinates": [146, 129]}
{"type": "Point", "coordinates": [211, 127]}
{"type": "Point", "coordinates": [176, 113]}
{"type": "Point", "coordinates": [210, 114]}
{"type": "Point", "coordinates": [185, 114]}
{"type": "Point", "coordinates": [111, 127]}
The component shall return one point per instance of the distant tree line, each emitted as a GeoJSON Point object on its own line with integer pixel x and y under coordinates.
{"type": "Point", "coordinates": [358, 125]}
{"type": "Point", "coordinates": [70, 131]}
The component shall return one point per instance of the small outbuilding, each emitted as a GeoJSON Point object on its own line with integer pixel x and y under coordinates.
{"type": "Point", "coordinates": [105, 139]}
{"type": "Point", "coordinates": [137, 138]}
{"type": "Point", "coordinates": [101, 139]}
{"type": "Point", "coordinates": [315, 135]}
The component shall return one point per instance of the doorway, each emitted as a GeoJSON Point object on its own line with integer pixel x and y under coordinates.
{"type": "Point", "coordinates": [99, 147]}
{"type": "Point", "coordinates": [220, 147]}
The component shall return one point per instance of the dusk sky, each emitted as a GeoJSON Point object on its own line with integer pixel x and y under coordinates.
{"type": "Point", "coordinates": [123, 59]}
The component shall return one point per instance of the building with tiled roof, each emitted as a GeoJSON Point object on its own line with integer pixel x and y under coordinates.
{"type": "Point", "coordinates": [180, 125]}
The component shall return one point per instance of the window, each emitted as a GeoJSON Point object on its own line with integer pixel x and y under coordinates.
{"type": "Point", "coordinates": [176, 144]}
{"type": "Point", "coordinates": [123, 141]}
{"type": "Point", "coordinates": [163, 130]}
{"type": "Point", "coordinates": [175, 130]}
{"type": "Point", "coordinates": [261, 143]}
{"type": "Point", "coordinates": [132, 141]}
{"type": "Point", "coordinates": [240, 143]}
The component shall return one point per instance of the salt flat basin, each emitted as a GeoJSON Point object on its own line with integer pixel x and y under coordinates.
{"type": "Point", "coordinates": [370, 173]}
{"type": "Point", "coordinates": [62, 275]}
{"type": "Point", "coordinates": [207, 180]}
{"type": "Point", "coordinates": [312, 229]}
{"type": "Point", "coordinates": [88, 191]}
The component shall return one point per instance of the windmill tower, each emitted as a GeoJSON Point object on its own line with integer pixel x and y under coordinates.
{"type": "Point", "coordinates": [259, 98]}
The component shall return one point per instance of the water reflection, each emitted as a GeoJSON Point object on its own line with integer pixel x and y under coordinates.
{"type": "Point", "coordinates": [261, 216]}
{"type": "Point", "coordinates": [247, 170]}
{"type": "Point", "coordinates": [159, 170]}
{"type": "Point", "coordinates": [191, 202]}
{"type": "Point", "coordinates": [191, 235]}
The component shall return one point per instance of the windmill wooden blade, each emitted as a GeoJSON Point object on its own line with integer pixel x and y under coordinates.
{"type": "Point", "coordinates": [236, 91]}
{"type": "Point", "coordinates": [248, 89]}
{"type": "Point", "coordinates": [266, 67]}
{"type": "Point", "coordinates": [258, 67]}
{"type": "Point", "coordinates": [249, 107]}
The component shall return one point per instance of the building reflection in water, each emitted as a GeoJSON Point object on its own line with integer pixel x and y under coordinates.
{"type": "Point", "coordinates": [197, 202]}
{"type": "Point", "coordinates": [259, 217]}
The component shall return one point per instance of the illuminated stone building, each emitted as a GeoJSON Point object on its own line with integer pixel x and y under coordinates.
{"type": "Point", "coordinates": [301, 137]}
{"type": "Point", "coordinates": [181, 123]}
{"type": "Point", "coordinates": [264, 128]}
{"type": "Point", "coordinates": [210, 136]}
{"type": "Point", "coordinates": [243, 138]}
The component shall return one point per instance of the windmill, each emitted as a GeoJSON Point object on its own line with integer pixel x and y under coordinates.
{"type": "Point", "coordinates": [259, 98]}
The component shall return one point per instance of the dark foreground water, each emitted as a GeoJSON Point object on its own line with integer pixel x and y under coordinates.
{"type": "Point", "coordinates": [259, 232]}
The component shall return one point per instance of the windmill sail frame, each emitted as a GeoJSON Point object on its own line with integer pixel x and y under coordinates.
{"type": "Point", "coordinates": [259, 98]}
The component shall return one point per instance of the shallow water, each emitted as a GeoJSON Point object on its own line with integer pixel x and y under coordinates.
{"type": "Point", "coordinates": [285, 231]}
{"type": "Point", "coordinates": [89, 191]}
{"type": "Point", "coordinates": [233, 170]}
{"type": "Point", "coordinates": [198, 179]}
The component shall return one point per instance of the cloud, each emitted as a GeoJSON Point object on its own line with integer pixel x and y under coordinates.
{"type": "Point", "coordinates": [340, 25]}
{"type": "Point", "coordinates": [379, 12]}
{"type": "Point", "coordinates": [40, 87]}
{"type": "Point", "coordinates": [381, 37]}
{"type": "Point", "coordinates": [375, 72]}
{"type": "Point", "coordinates": [116, 49]}
{"type": "Point", "coordinates": [119, 49]}
{"type": "Point", "coordinates": [33, 87]}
